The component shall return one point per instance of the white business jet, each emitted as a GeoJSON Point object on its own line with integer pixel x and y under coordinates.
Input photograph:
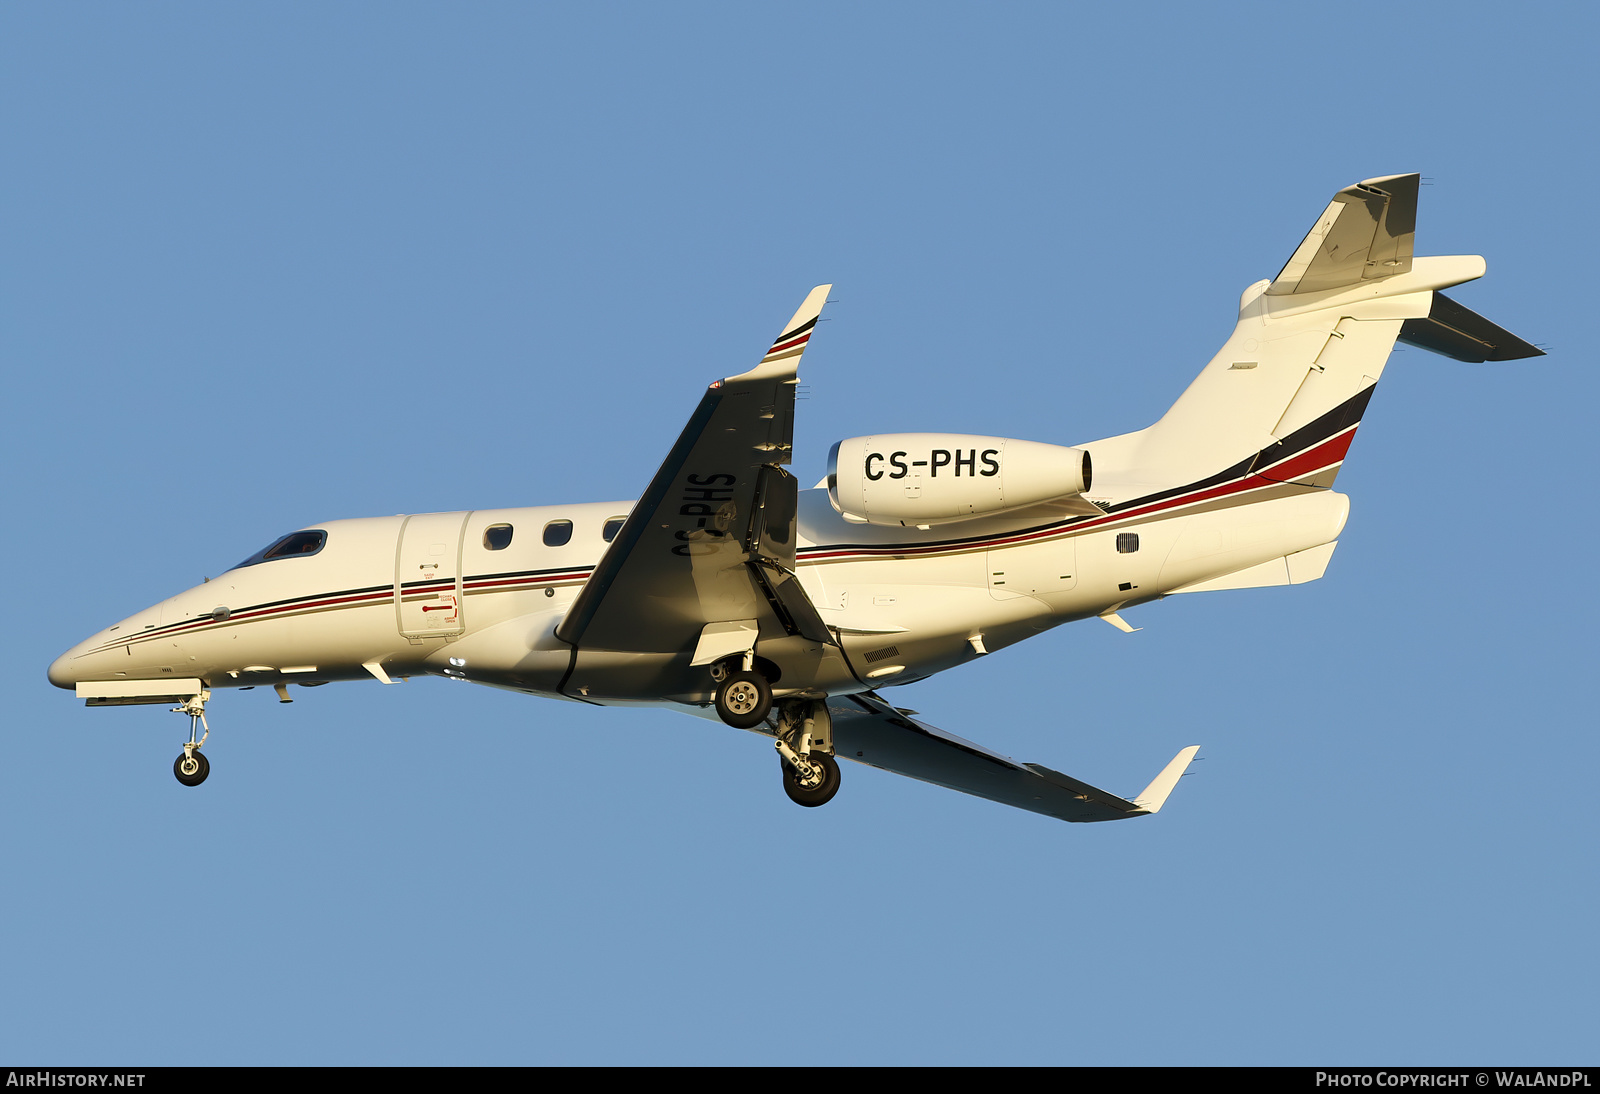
{"type": "Point", "coordinates": [727, 588]}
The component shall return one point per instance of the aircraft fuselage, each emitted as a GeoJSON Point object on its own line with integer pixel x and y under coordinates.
{"type": "Point", "coordinates": [477, 596]}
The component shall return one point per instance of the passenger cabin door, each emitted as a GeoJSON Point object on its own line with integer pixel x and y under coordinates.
{"type": "Point", "coordinates": [427, 575]}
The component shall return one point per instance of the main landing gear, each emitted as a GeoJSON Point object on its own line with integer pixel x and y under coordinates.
{"type": "Point", "coordinates": [805, 747]}
{"type": "Point", "coordinates": [192, 767]}
{"type": "Point", "coordinates": [817, 786]}
{"type": "Point", "coordinates": [804, 730]}
{"type": "Point", "coordinates": [744, 697]}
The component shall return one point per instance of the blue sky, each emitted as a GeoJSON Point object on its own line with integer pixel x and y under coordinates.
{"type": "Point", "coordinates": [276, 264]}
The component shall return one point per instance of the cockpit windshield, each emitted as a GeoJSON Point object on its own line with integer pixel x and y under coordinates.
{"type": "Point", "coordinates": [293, 545]}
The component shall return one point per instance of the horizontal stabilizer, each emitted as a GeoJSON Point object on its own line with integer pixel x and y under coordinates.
{"type": "Point", "coordinates": [1366, 232]}
{"type": "Point", "coordinates": [1462, 333]}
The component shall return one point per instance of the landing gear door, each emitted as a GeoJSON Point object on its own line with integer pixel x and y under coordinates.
{"type": "Point", "coordinates": [427, 575]}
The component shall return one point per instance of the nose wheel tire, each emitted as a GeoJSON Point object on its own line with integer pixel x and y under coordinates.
{"type": "Point", "coordinates": [812, 796]}
{"type": "Point", "coordinates": [191, 770]}
{"type": "Point", "coordinates": [744, 699]}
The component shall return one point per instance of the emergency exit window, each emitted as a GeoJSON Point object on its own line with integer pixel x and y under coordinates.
{"type": "Point", "coordinates": [557, 533]}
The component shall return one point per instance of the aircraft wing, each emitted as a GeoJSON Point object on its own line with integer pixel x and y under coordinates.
{"type": "Point", "coordinates": [870, 731]}
{"type": "Point", "coordinates": [708, 553]}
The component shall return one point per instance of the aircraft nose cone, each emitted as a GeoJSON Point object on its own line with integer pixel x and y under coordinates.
{"type": "Point", "coordinates": [61, 671]}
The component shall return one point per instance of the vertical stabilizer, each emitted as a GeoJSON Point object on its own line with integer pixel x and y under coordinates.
{"type": "Point", "coordinates": [1284, 396]}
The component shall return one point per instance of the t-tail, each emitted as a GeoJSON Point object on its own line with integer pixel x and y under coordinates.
{"type": "Point", "coordinates": [1283, 398]}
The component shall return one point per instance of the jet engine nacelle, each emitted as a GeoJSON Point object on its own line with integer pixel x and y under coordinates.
{"type": "Point", "coordinates": [940, 478]}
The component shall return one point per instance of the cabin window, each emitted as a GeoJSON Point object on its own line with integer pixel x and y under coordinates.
{"type": "Point", "coordinates": [497, 537]}
{"type": "Point", "coordinates": [1127, 542]}
{"type": "Point", "coordinates": [293, 545]}
{"type": "Point", "coordinates": [557, 533]}
{"type": "Point", "coordinates": [613, 526]}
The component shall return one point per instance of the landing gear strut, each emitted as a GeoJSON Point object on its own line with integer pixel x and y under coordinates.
{"type": "Point", "coordinates": [192, 767]}
{"type": "Point", "coordinates": [805, 746]}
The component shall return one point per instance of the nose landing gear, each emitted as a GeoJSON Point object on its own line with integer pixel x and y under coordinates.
{"type": "Point", "coordinates": [192, 767]}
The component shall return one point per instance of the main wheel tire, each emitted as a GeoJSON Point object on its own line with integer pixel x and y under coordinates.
{"type": "Point", "coordinates": [744, 699]}
{"type": "Point", "coordinates": [823, 792]}
{"type": "Point", "coordinates": [191, 772]}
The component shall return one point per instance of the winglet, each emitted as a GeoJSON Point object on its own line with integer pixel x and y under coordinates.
{"type": "Point", "coordinates": [1155, 795]}
{"type": "Point", "coordinates": [784, 356]}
